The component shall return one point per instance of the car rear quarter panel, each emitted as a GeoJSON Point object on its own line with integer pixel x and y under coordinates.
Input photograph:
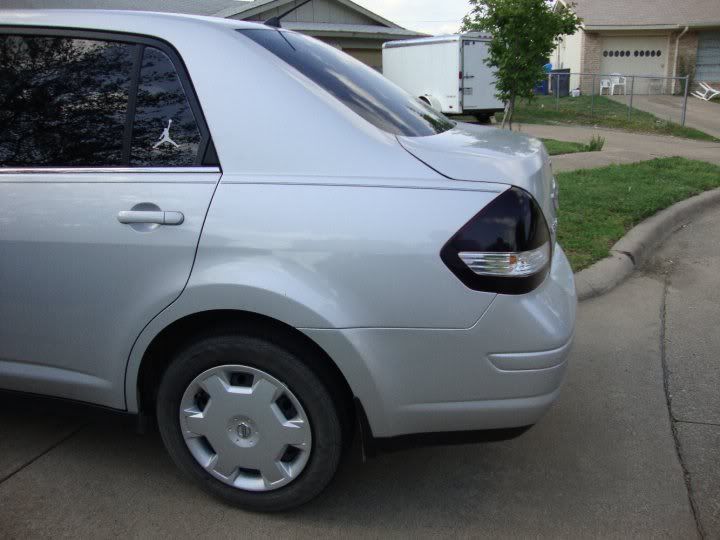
{"type": "Point", "coordinates": [328, 257]}
{"type": "Point", "coordinates": [338, 256]}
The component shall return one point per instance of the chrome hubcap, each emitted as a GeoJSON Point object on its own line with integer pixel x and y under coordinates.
{"type": "Point", "coordinates": [245, 428]}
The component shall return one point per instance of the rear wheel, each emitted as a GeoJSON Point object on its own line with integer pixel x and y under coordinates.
{"type": "Point", "coordinates": [483, 118]}
{"type": "Point", "coordinates": [249, 421]}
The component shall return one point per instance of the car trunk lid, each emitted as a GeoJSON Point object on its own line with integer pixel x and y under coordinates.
{"type": "Point", "coordinates": [475, 153]}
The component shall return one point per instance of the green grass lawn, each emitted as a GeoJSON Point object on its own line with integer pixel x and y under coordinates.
{"type": "Point", "coordinates": [555, 147]}
{"type": "Point", "coordinates": [598, 206]}
{"type": "Point", "coordinates": [608, 113]}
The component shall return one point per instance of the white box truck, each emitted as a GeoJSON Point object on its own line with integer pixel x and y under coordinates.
{"type": "Point", "coordinates": [447, 72]}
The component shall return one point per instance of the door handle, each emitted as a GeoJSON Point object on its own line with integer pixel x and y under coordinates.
{"type": "Point", "coordinates": [152, 217]}
{"type": "Point", "coordinates": [469, 76]}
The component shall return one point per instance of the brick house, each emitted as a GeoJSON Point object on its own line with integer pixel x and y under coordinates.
{"type": "Point", "coordinates": [660, 38]}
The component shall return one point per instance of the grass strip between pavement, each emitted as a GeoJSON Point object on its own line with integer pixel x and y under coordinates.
{"type": "Point", "coordinates": [555, 147]}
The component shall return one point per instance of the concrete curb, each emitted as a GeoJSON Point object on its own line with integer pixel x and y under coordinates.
{"type": "Point", "coordinates": [632, 250]}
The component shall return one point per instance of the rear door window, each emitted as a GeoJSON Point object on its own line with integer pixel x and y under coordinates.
{"type": "Point", "coordinates": [97, 101]}
{"type": "Point", "coordinates": [165, 131]}
{"type": "Point", "coordinates": [63, 101]}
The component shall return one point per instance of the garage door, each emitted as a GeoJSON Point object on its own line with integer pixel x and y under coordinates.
{"type": "Point", "coordinates": [708, 57]}
{"type": "Point", "coordinates": [636, 56]}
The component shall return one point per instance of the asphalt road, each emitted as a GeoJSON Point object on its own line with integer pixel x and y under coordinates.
{"type": "Point", "coordinates": [607, 461]}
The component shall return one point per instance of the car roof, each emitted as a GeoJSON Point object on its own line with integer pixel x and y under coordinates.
{"type": "Point", "coordinates": [107, 19]}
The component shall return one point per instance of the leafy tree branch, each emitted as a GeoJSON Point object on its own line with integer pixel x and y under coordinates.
{"type": "Point", "coordinates": [524, 34]}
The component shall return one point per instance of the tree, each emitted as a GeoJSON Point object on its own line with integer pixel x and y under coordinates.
{"type": "Point", "coordinates": [524, 34]}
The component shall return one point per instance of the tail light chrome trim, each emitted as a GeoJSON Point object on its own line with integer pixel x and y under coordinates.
{"type": "Point", "coordinates": [511, 264]}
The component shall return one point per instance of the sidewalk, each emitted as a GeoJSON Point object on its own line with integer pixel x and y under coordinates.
{"type": "Point", "coordinates": [688, 263]}
{"type": "Point", "coordinates": [620, 146]}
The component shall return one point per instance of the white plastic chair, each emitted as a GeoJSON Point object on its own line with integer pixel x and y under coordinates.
{"type": "Point", "coordinates": [604, 85]}
{"type": "Point", "coordinates": [617, 80]}
{"type": "Point", "coordinates": [708, 92]}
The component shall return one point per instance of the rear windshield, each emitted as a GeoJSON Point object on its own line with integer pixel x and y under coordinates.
{"type": "Point", "coordinates": [358, 86]}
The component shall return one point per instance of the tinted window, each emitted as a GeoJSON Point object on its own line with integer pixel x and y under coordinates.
{"type": "Point", "coordinates": [165, 132]}
{"type": "Point", "coordinates": [63, 102]}
{"type": "Point", "coordinates": [359, 87]}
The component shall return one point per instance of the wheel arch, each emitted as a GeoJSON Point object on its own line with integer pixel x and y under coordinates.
{"type": "Point", "coordinates": [185, 330]}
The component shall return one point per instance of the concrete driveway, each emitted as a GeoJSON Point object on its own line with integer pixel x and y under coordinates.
{"type": "Point", "coordinates": [700, 114]}
{"type": "Point", "coordinates": [607, 461]}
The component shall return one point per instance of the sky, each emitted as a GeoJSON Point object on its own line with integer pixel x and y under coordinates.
{"type": "Point", "coordinates": [429, 16]}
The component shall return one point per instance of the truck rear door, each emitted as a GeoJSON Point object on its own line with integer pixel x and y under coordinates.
{"type": "Point", "coordinates": [478, 81]}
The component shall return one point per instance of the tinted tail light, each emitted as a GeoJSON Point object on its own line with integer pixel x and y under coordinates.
{"type": "Point", "coordinates": [506, 248]}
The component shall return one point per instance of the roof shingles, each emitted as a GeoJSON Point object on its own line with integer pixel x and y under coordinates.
{"type": "Point", "coordinates": [222, 8]}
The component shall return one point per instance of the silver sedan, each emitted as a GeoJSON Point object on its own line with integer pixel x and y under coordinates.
{"type": "Point", "coordinates": [264, 244]}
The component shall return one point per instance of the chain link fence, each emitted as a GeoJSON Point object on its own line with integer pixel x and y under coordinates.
{"type": "Point", "coordinates": [613, 95]}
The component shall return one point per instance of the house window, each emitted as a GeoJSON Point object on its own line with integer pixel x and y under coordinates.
{"type": "Point", "coordinates": [708, 57]}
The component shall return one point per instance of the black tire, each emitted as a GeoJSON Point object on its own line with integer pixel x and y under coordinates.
{"type": "Point", "coordinates": [484, 118]}
{"type": "Point", "coordinates": [254, 352]}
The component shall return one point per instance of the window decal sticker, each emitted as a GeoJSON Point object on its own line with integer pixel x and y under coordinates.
{"type": "Point", "coordinates": [165, 137]}
{"type": "Point", "coordinates": [162, 105]}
